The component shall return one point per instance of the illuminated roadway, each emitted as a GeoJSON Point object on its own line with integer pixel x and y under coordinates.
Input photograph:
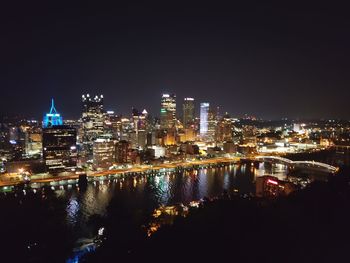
{"type": "Point", "coordinates": [133, 170]}
{"type": "Point", "coordinates": [182, 164]}
{"type": "Point", "coordinates": [300, 164]}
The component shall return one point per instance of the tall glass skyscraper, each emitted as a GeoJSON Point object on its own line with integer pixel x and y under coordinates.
{"type": "Point", "coordinates": [168, 111]}
{"type": "Point", "coordinates": [188, 112]}
{"type": "Point", "coordinates": [53, 118]}
{"type": "Point", "coordinates": [92, 119]}
{"type": "Point", "coordinates": [204, 114]}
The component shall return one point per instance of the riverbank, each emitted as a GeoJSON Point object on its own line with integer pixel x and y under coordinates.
{"type": "Point", "coordinates": [6, 181]}
{"type": "Point", "coordinates": [307, 226]}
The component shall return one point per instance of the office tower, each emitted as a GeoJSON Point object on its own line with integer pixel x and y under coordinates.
{"type": "Point", "coordinates": [59, 147]}
{"type": "Point", "coordinates": [112, 124]}
{"type": "Point", "coordinates": [168, 111]}
{"type": "Point", "coordinates": [33, 142]}
{"type": "Point", "coordinates": [53, 118]}
{"type": "Point", "coordinates": [92, 119]}
{"type": "Point", "coordinates": [188, 112]}
{"type": "Point", "coordinates": [135, 119]}
{"type": "Point", "coordinates": [141, 139]}
{"type": "Point", "coordinates": [58, 141]}
{"type": "Point", "coordinates": [212, 123]}
{"type": "Point", "coordinates": [143, 120]}
{"type": "Point", "coordinates": [126, 129]}
{"type": "Point", "coordinates": [103, 153]}
{"type": "Point", "coordinates": [122, 151]}
{"type": "Point", "coordinates": [204, 114]}
{"type": "Point", "coordinates": [224, 129]}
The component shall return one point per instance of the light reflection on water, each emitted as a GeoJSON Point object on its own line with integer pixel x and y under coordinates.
{"type": "Point", "coordinates": [163, 189]}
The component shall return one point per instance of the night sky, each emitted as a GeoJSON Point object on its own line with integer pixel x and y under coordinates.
{"type": "Point", "coordinates": [269, 60]}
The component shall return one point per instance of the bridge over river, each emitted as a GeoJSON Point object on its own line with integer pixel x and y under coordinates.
{"type": "Point", "coordinates": [305, 165]}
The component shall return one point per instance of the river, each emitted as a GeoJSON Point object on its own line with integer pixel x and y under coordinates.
{"type": "Point", "coordinates": [141, 192]}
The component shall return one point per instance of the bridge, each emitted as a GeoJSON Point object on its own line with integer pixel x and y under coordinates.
{"type": "Point", "coordinates": [311, 165]}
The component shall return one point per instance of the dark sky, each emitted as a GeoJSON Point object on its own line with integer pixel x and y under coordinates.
{"type": "Point", "coordinates": [271, 60]}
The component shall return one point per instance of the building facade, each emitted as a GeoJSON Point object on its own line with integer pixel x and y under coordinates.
{"type": "Point", "coordinates": [168, 111]}
{"type": "Point", "coordinates": [59, 147]}
{"type": "Point", "coordinates": [204, 115]}
{"type": "Point", "coordinates": [188, 112]}
{"type": "Point", "coordinates": [93, 117]}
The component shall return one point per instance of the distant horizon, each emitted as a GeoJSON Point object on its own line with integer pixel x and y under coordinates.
{"type": "Point", "coordinates": [77, 115]}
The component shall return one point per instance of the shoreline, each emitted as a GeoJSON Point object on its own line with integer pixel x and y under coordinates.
{"type": "Point", "coordinates": [127, 171]}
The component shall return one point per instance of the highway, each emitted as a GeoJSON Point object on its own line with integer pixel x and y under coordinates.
{"type": "Point", "coordinates": [135, 169]}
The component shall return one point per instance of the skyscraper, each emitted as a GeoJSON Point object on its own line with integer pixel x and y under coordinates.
{"type": "Point", "coordinates": [92, 119]}
{"type": "Point", "coordinates": [212, 123]}
{"type": "Point", "coordinates": [188, 112]}
{"type": "Point", "coordinates": [59, 147]}
{"type": "Point", "coordinates": [53, 118]}
{"type": "Point", "coordinates": [168, 111]}
{"type": "Point", "coordinates": [103, 153]}
{"type": "Point", "coordinates": [122, 151]}
{"type": "Point", "coordinates": [204, 114]}
{"type": "Point", "coordinates": [59, 142]}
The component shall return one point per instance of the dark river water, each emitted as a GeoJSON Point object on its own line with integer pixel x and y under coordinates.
{"type": "Point", "coordinates": [151, 191]}
{"type": "Point", "coordinates": [162, 189]}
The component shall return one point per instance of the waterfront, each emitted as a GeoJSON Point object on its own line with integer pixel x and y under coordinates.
{"type": "Point", "coordinates": [81, 208]}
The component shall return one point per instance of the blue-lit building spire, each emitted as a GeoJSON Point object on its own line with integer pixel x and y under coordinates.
{"type": "Point", "coordinates": [53, 118]}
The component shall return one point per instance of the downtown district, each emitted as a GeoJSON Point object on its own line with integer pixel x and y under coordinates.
{"type": "Point", "coordinates": [101, 140]}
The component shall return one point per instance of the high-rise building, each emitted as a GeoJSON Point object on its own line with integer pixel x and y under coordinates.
{"type": "Point", "coordinates": [53, 118]}
{"type": "Point", "coordinates": [58, 141]}
{"type": "Point", "coordinates": [168, 111]}
{"type": "Point", "coordinates": [204, 115]}
{"type": "Point", "coordinates": [92, 119]}
{"type": "Point", "coordinates": [103, 153]}
{"type": "Point", "coordinates": [122, 151]}
{"type": "Point", "coordinates": [188, 112]}
{"type": "Point", "coordinates": [59, 147]}
{"type": "Point", "coordinates": [212, 123]}
{"type": "Point", "coordinates": [112, 124]}
{"type": "Point", "coordinates": [33, 142]}
{"type": "Point", "coordinates": [224, 129]}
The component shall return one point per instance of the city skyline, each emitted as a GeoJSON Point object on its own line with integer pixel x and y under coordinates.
{"type": "Point", "coordinates": [174, 131]}
{"type": "Point", "coordinates": [156, 113]}
{"type": "Point", "coordinates": [268, 60]}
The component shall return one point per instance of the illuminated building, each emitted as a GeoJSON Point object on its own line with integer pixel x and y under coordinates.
{"type": "Point", "coordinates": [135, 119]}
{"type": "Point", "coordinates": [143, 120]}
{"type": "Point", "coordinates": [92, 119]}
{"type": "Point", "coordinates": [53, 118]}
{"type": "Point", "coordinates": [141, 139]}
{"type": "Point", "coordinates": [212, 123]}
{"type": "Point", "coordinates": [126, 129]}
{"type": "Point", "coordinates": [189, 148]}
{"type": "Point", "coordinates": [158, 151]}
{"type": "Point", "coordinates": [112, 124]}
{"type": "Point", "coordinates": [168, 111]}
{"type": "Point", "coordinates": [138, 136]}
{"type": "Point", "coordinates": [267, 186]}
{"type": "Point", "coordinates": [169, 137]}
{"type": "Point", "coordinates": [270, 186]}
{"type": "Point", "coordinates": [122, 151]}
{"type": "Point", "coordinates": [188, 112]}
{"type": "Point", "coordinates": [150, 138]}
{"type": "Point", "coordinates": [59, 147]}
{"type": "Point", "coordinates": [103, 153]}
{"type": "Point", "coordinates": [33, 143]}
{"type": "Point", "coordinates": [187, 135]}
{"type": "Point", "coordinates": [249, 135]}
{"type": "Point", "coordinates": [229, 147]}
{"type": "Point", "coordinates": [224, 129]}
{"type": "Point", "coordinates": [204, 114]}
